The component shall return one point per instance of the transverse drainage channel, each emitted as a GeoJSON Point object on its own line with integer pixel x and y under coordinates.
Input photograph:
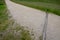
{"type": "Point", "coordinates": [45, 26]}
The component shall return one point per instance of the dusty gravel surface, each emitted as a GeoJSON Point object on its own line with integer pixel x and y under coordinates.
{"type": "Point", "coordinates": [34, 20]}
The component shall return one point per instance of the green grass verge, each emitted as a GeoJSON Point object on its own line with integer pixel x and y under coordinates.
{"type": "Point", "coordinates": [13, 34]}
{"type": "Point", "coordinates": [54, 8]}
{"type": "Point", "coordinates": [2, 2]}
{"type": "Point", "coordinates": [3, 16]}
{"type": "Point", "coordinates": [46, 1]}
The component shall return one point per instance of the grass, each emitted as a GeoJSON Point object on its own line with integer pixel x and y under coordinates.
{"type": "Point", "coordinates": [2, 2]}
{"type": "Point", "coordinates": [12, 34]}
{"type": "Point", "coordinates": [47, 1]}
{"type": "Point", "coordinates": [53, 7]}
{"type": "Point", "coordinates": [3, 16]}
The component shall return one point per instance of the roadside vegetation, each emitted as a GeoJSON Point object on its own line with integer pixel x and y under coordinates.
{"type": "Point", "coordinates": [9, 29]}
{"type": "Point", "coordinates": [52, 6]}
{"type": "Point", "coordinates": [3, 16]}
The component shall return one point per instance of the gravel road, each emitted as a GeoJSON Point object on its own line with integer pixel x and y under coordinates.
{"type": "Point", "coordinates": [34, 20]}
